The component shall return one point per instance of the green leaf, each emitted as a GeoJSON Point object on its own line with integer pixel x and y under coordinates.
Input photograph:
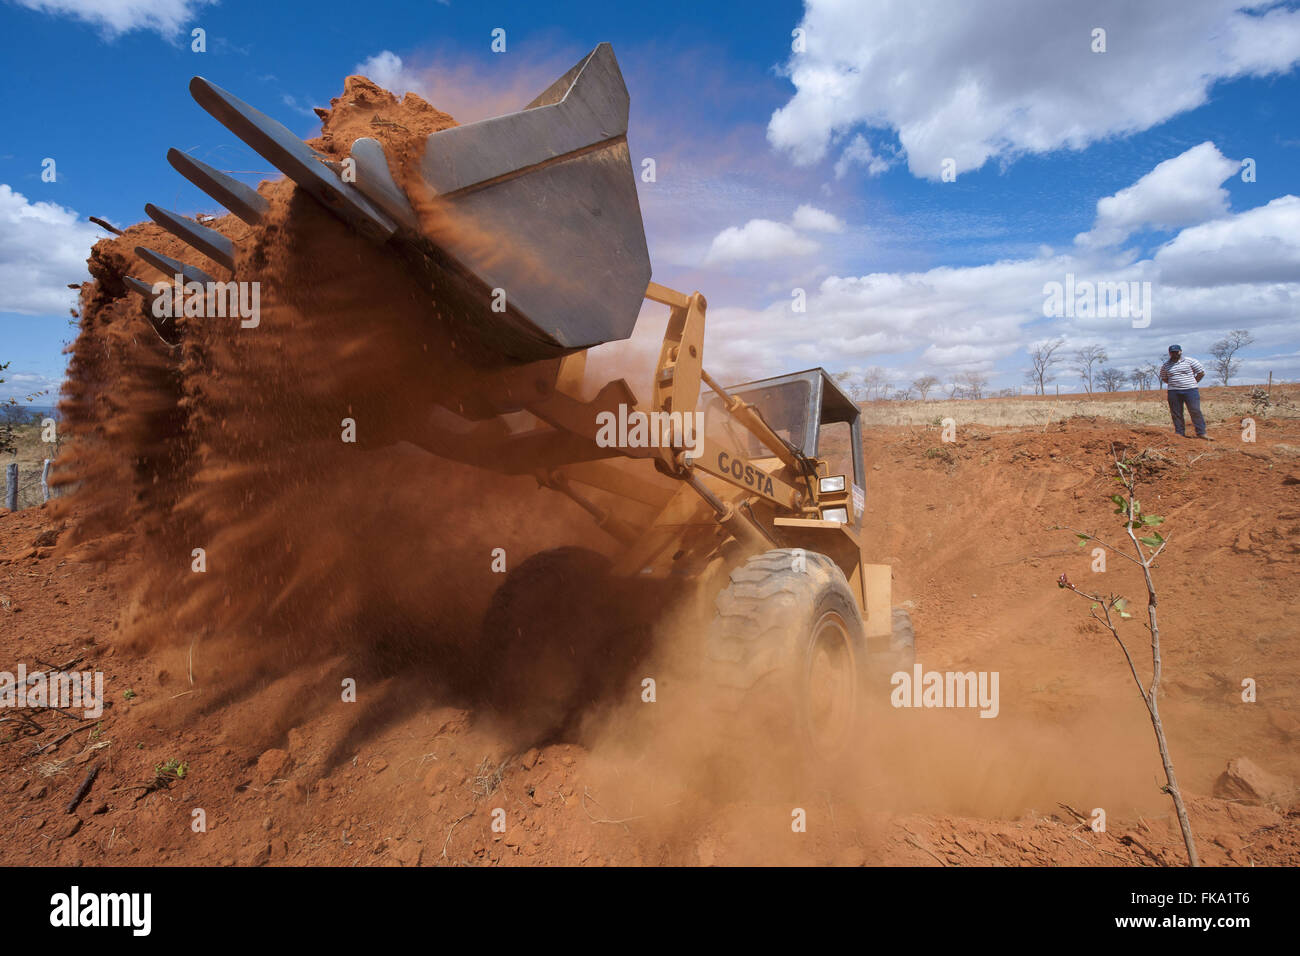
{"type": "Point", "coordinates": [1152, 520]}
{"type": "Point", "coordinates": [1154, 541]}
{"type": "Point", "coordinates": [1119, 500]}
{"type": "Point", "coordinates": [1120, 604]}
{"type": "Point", "coordinates": [1084, 539]}
{"type": "Point", "coordinates": [1137, 507]}
{"type": "Point", "coordinates": [1125, 614]}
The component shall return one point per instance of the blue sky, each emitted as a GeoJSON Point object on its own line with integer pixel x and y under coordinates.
{"type": "Point", "coordinates": [777, 169]}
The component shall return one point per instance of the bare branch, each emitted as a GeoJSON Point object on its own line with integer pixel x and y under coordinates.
{"type": "Point", "coordinates": [1128, 477]}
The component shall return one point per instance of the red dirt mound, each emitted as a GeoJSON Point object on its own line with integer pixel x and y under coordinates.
{"type": "Point", "coordinates": [410, 776]}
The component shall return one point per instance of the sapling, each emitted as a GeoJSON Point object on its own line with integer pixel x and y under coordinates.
{"type": "Point", "coordinates": [173, 768]}
{"type": "Point", "coordinates": [1114, 611]}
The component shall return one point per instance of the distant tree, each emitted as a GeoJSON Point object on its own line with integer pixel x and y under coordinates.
{"type": "Point", "coordinates": [14, 413]}
{"type": "Point", "coordinates": [1087, 362]}
{"type": "Point", "coordinates": [875, 379]}
{"type": "Point", "coordinates": [7, 446]}
{"type": "Point", "coordinates": [1043, 356]}
{"type": "Point", "coordinates": [953, 389]}
{"type": "Point", "coordinates": [1143, 376]}
{"type": "Point", "coordinates": [11, 413]}
{"type": "Point", "coordinates": [923, 385]}
{"type": "Point", "coordinates": [1225, 366]}
{"type": "Point", "coordinates": [973, 384]}
{"type": "Point", "coordinates": [1111, 379]}
{"type": "Point", "coordinates": [846, 381]}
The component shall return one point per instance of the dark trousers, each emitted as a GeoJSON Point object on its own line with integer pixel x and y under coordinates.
{"type": "Point", "coordinates": [1191, 397]}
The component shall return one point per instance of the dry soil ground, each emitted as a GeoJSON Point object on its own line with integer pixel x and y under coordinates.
{"type": "Point", "coordinates": [411, 774]}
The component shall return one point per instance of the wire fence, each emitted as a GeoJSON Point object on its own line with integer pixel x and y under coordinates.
{"type": "Point", "coordinates": [27, 485]}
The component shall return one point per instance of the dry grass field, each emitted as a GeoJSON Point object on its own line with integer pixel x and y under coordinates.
{"type": "Point", "coordinates": [1219, 405]}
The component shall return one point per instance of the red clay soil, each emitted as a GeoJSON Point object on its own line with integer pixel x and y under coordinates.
{"type": "Point", "coordinates": [287, 773]}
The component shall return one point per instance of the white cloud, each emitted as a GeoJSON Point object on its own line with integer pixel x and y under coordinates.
{"type": "Point", "coordinates": [293, 104]}
{"type": "Point", "coordinates": [981, 318]}
{"type": "Point", "coordinates": [860, 153]}
{"type": "Point", "coordinates": [811, 219]}
{"type": "Point", "coordinates": [386, 69]}
{"type": "Point", "coordinates": [1237, 270]}
{"type": "Point", "coordinates": [21, 385]}
{"type": "Point", "coordinates": [43, 247]}
{"type": "Point", "coordinates": [115, 17]}
{"type": "Point", "coordinates": [1179, 192]}
{"type": "Point", "coordinates": [758, 239]}
{"type": "Point", "coordinates": [974, 81]}
{"type": "Point", "coordinates": [961, 358]}
{"type": "Point", "coordinates": [1260, 245]}
{"type": "Point", "coordinates": [764, 239]}
{"type": "Point", "coordinates": [967, 317]}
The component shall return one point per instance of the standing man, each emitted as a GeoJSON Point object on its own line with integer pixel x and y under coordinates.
{"type": "Point", "coordinates": [1182, 375]}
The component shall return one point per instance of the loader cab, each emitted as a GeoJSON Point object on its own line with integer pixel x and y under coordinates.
{"type": "Point", "coordinates": [809, 411]}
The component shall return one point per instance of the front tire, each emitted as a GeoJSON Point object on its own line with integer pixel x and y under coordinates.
{"type": "Point", "coordinates": [787, 644]}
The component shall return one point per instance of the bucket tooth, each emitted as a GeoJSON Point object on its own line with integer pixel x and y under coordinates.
{"type": "Point", "coordinates": [137, 285]}
{"type": "Point", "coordinates": [376, 180]}
{"type": "Point", "coordinates": [294, 158]}
{"type": "Point", "coordinates": [240, 199]}
{"type": "Point", "coordinates": [211, 243]}
{"type": "Point", "coordinates": [171, 267]}
{"type": "Point", "coordinates": [165, 328]}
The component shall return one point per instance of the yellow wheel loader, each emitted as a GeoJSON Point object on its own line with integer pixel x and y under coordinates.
{"type": "Point", "coordinates": [736, 491]}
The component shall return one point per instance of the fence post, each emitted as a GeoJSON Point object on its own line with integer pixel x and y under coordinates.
{"type": "Point", "coordinates": [11, 486]}
{"type": "Point", "coordinates": [45, 479]}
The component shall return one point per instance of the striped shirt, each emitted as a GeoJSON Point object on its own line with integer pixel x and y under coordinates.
{"type": "Point", "coordinates": [1181, 374]}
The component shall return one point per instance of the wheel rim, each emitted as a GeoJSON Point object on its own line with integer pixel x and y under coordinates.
{"type": "Point", "coordinates": [831, 686]}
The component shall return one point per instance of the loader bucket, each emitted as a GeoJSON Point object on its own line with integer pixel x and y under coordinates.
{"type": "Point", "coordinates": [556, 179]}
{"type": "Point", "coordinates": [552, 255]}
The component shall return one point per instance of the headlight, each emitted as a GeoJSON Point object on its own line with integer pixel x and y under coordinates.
{"type": "Point", "coordinates": [836, 514]}
{"type": "Point", "coordinates": [833, 483]}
